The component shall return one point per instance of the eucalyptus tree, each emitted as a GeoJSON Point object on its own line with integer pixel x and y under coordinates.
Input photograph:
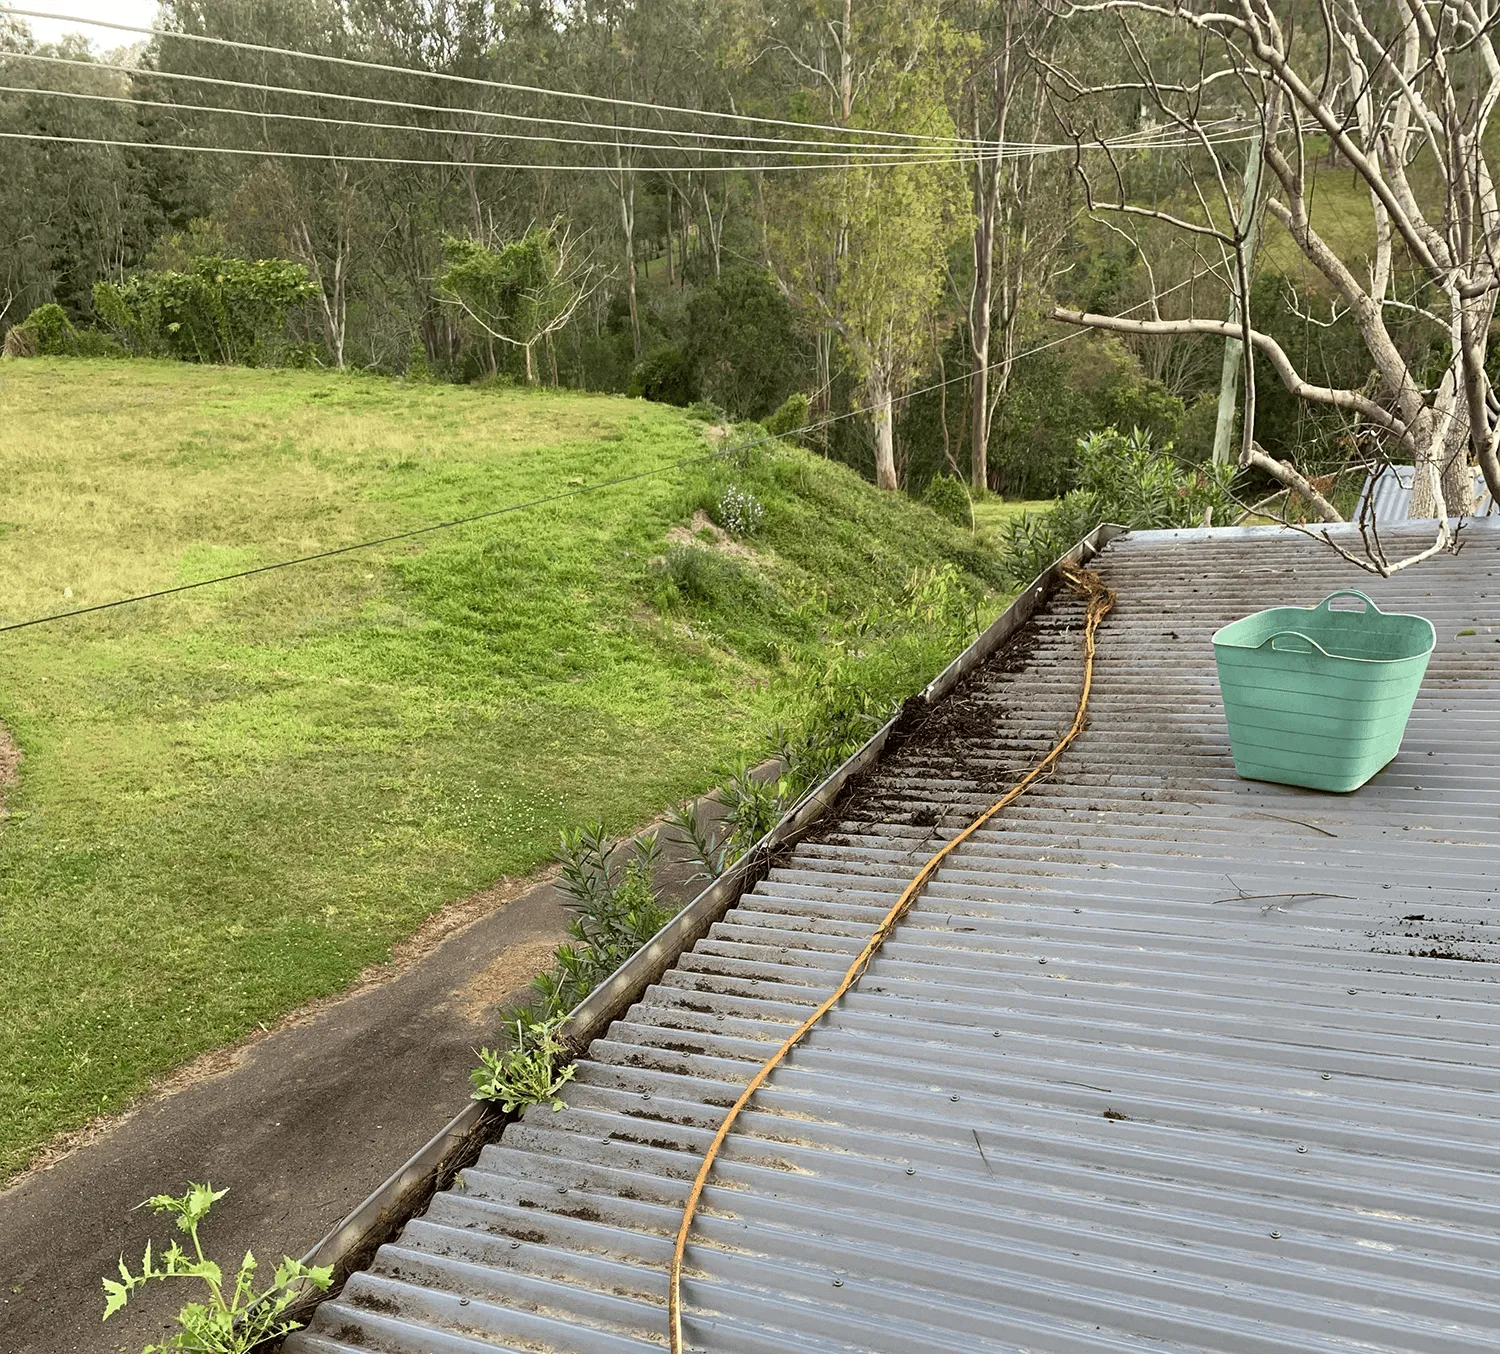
{"type": "Point", "coordinates": [864, 246]}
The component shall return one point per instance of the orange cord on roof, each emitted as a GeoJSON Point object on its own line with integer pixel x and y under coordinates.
{"type": "Point", "coordinates": [1100, 599]}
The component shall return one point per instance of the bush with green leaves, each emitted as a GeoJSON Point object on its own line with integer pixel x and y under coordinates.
{"type": "Point", "coordinates": [616, 909]}
{"type": "Point", "coordinates": [221, 309]}
{"type": "Point", "coordinates": [46, 332]}
{"type": "Point", "coordinates": [747, 350]}
{"type": "Point", "coordinates": [949, 497]}
{"type": "Point", "coordinates": [1123, 478]}
{"type": "Point", "coordinates": [531, 1070]}
{"type": "Point", "coordinates": [237, 1317]}
{"type": "Point", "coordinates": [665, 376]}
{"type": "Point", "coordinates": [793, 415]}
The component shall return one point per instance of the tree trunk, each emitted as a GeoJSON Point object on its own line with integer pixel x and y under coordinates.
{"type": "Point", "coordinates": [627, 223]}
{"type": "Point", "coordinates": [885, 433]}
{"type": "Point", "coordinates": [1445, 460]}
{"type": "Point", "coordinates": [981, 298]}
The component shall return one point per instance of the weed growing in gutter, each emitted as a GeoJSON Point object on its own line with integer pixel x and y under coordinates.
{"type": "Point", "coordinates": [526, 1073]}
{"type": "Point", "coordinates": [616, 909]}
{"type": "Point", "coordinates": [855, 688]}
{"type": "Point", "coordinates": [230, 1322]}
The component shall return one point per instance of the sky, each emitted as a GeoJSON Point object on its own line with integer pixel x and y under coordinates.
{"type": "Point", "coordinates": [140, 12]}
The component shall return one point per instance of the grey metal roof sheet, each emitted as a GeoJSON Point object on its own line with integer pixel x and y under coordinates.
{"type": "Point", "coordinates": [1388, 491]}
{"type": "Point", "coordinates": [1163, 1060]}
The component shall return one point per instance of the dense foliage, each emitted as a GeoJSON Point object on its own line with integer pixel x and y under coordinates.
{"type": "Point", "coordinates": [1123, 478]}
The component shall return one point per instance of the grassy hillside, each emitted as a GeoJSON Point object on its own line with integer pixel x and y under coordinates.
{"type": "Point", "coordinates": [233, 799]}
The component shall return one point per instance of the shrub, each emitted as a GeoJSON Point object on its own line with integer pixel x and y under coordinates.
{"type": "Point", "coordinates": [744, 342]}
{"type": "Point", "coordinates": [221, 310]}
{"type": "Point", "coordinates": [46, 332]}
{"type": "Point", "coordinates": [949, 498]}
{"type": "Point", "coordinates": [740, 513]}
{"type": "Point", "coordinates": [791, 417]}
{"type": "Point", "coordinates": [1056, 398]}
{"type": "Point", "coordinates": [706, 411]}
{"type": "Point", "coordinates": [1124, 478]}
{"type": "Point", "coordinates": [665, 376]}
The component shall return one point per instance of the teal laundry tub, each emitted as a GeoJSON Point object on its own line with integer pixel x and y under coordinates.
{"type": "Point", "coordinates": [1318, 696]}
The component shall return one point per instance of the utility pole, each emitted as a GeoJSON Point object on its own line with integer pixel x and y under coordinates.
{"type": "Point", "coordinates": [1229, 381]}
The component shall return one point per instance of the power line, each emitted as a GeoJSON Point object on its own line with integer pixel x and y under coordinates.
{"type": "Point", "coordinates": [881, 156]}
{"type": "Point", "coordinates": [912, 140]}
{"type": "Point", "coordinates": [559, 497]}
{"type": "Point", "coordinates": [386, 68]}
{"type": "Point", "coordinates": [340, 158]}
{"type": "Point", "coordinates": [368, 545]}
{"type": "Point", "coordinates": [1006, 150]}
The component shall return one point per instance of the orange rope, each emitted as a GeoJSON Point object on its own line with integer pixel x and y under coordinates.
{"type": "Point", "coordinates": [1100, 599]}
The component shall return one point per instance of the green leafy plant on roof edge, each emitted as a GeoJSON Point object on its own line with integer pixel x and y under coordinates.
{"type": "Point", "coordinates": [230, 1322]}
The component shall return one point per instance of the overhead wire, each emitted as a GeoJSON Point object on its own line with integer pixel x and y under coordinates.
{"type": "Point", "coordinates": [844, 158]}
{"type": "Point", "coordinates": [574, 492]}
{"type": "Point", "coordinates": [912, 140]}
{"type": "Point", "coordinates": [1009, 149]}
{"type": "Point", "coordinates": [387, 68]}
{"type": "Point", "coordinates": [339, 157]}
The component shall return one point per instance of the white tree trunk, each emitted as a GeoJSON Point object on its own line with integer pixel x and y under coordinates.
{"type": "Point", "coordinates": [885, 433]}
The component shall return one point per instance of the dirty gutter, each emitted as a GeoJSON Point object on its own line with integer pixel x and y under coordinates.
{"type": "Point", "coordinates": [352, 1243]}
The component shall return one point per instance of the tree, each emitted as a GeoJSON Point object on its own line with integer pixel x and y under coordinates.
{"type": "Point", "coordinates": [1403, 94]}
{"type": "Point", "coordinates": [523, 292]}
{"type": "Point", "coordinates": [1011, 248]}
{"type": "Point", "coordinates": [865, 247]}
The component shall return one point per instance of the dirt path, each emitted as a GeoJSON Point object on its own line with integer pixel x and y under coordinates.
{"type": "Point", "coordinates": [300, 1124]}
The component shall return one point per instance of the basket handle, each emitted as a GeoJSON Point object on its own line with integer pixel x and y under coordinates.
{"type": "Point", "coordinates": [1293, 641]}
{"type": "Point", "coordinates": [1325, 604]}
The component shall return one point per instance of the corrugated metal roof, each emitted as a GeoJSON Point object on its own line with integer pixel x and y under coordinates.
{"type": "Point", "coordinates": [1163, 1060]}
{"type": "Point", "coordinates": [1390, 486]}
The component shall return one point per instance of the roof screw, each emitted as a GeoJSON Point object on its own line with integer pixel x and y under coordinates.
{"type": "Point", "coordinates": [838, 1283]}
{"type": "Point", "coordinates": [645, 1095]}
{"type": "Point", "coordinates": [1302, 1150]}
{"type": "Point", "coordinates": [1327, 1076]}
{"type": "Point", "coordinates": [1041, 961]}
{"type": "Point", "coordinates": [515, 1245]}
{"type": "Point", "coordinates": [1353, 990]}
{"type": "Point", "coordinates": [955, 1099]}
{"type": "Point", "coordinates": [562, 1189]}
{"type": "Point", "coordinates": [911, 1170]}
{"type": "Point", "coordinates": [463, 1302]}
{"type": "Point", "coordinates": [1275, 1236]}
{"type": "Point", "coordinates": [997, 1034]}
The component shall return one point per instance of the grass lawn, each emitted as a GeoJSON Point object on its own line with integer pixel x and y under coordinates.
{"type": "Point", "coordinates": [992, 511]}
{"type": "Point", "coordinates": [232, 800]}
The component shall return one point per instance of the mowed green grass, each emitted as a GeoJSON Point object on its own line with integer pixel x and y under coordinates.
{"type": "Point", "coordinates": [992, 512]}
{"type": "Point", "coordinates": [233, 799]}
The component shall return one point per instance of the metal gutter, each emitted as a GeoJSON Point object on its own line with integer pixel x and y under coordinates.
{"type": "Point", "coordinates": [351, 1244]}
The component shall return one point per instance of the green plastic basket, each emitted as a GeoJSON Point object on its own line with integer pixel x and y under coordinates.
{"type": "Point", "coordinates": [1320, 697]}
